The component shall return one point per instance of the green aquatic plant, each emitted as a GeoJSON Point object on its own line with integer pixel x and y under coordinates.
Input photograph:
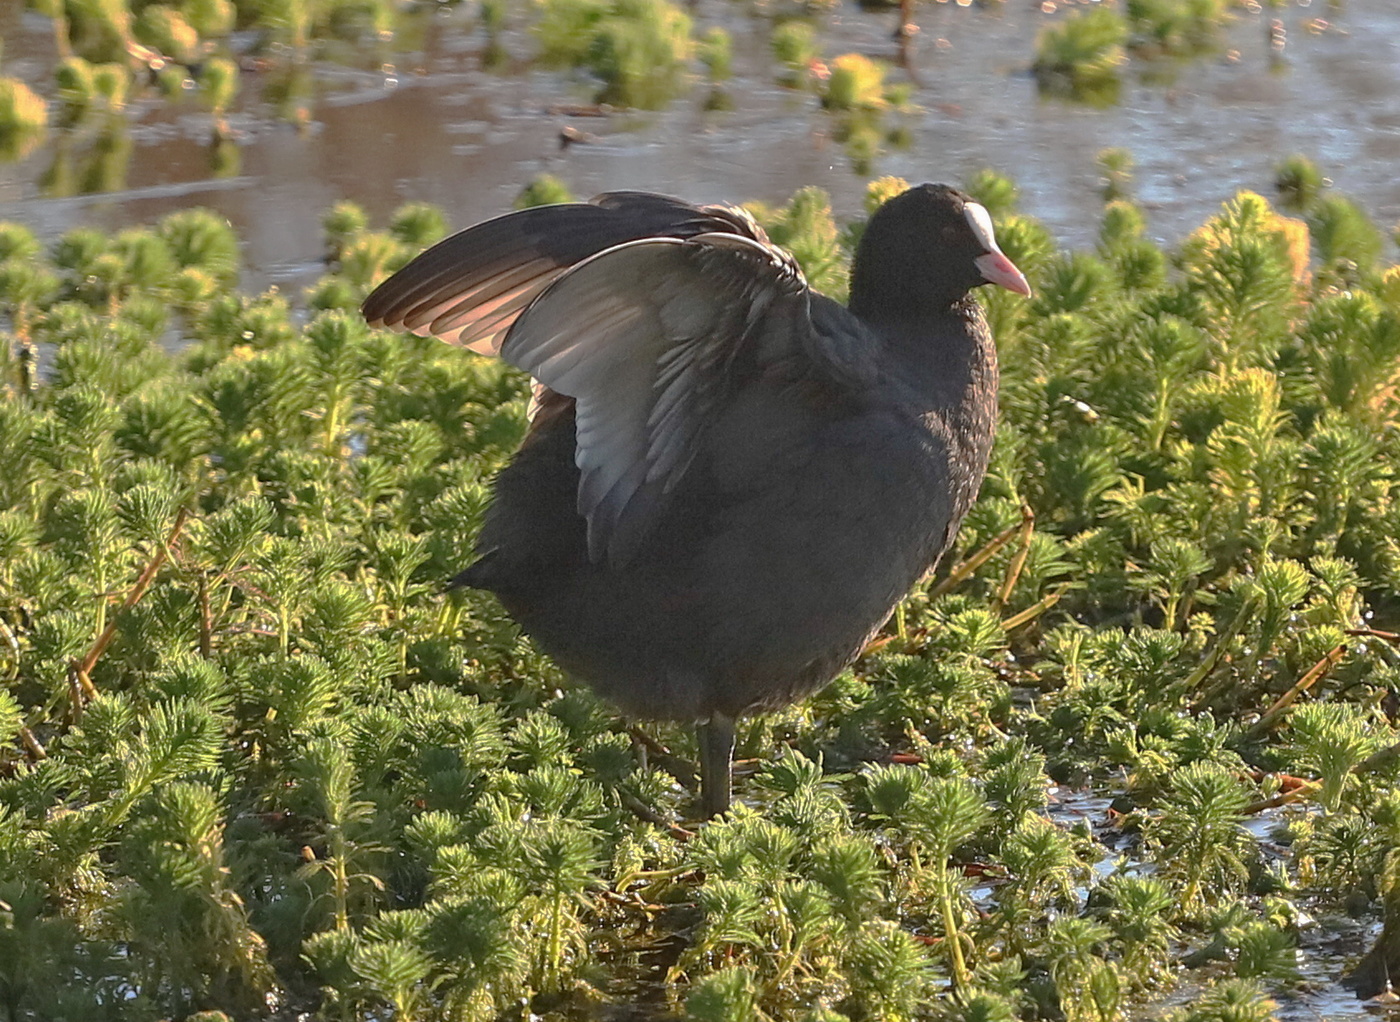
{"type": "Point", "coordinates": [716, 52]}
{"type": "Point", "coordinates": [1332, 740]}
{"type": "Point", "coordinates": [1088, 987]}
{"type": "Point", "coordinates": [1231, 1000]}
{"type": "Point", "coordinates": [23, 119]}
{"type": "Point", "coordinates": [1083, 51]}
{"type": "Point", "coordinates": [1139, 912]}
{"type": "Point", "coordinates": [1043, 867]}
{"type": "Point", "coordinates": [1138, 264]}
{"type": "Point", "coordinates": [854, 82]}
{"type": "Point", "coordinates": [891, 975]}
{"type": "Point", "coordinates": [806, 228]}
{"type": "Point", "coordinates": [795, 46]}
{"type": "Point", "coordinates": [1299, 183]}
{"type": "Point", "coordinates": [97, 30]}
{"type": "Point", "coordinates": [1342, 857]}
{"type": "Point", "coordinates": [723, 995]}
{"type": "Point", "coordinates": [354, 20]}
{"type": "Point", "coordinates": [341, 225]}
{"type": "Point", "coordinates": [1243, 264]}
{"type": "Point", "coordinates": [541, 190]}
{"type": "Point", "coordinates": [638, 48]}
{"type": "Point", "coordinates": [853, 87]}
{"type": "Point", "coordinates": [202, 241]}
{"type": "Point", "coordinates": [85, 87]}
{"type": "Point", "coordinates": [1116, 168]}
{"type": "Point", "coordinates": [212, 19]}
{"type": "Point", "coordinates": [1175, 27]}
{"type": "Point", "coordinates": [218, 85]}
{"type": "Point", "coordinates": [235, 699]}
{"type": "Point", "coordinates": [1198, 840]}
{"type": "Point", "coordinates": [935, 816]}
{"type": "Point", "coordinates": [994, 190]}
{"type": "Point", "coordinates": [167, 30]}
{"type": "Point", "coordinates": [1342, 231]}
{"type": "Point", "coordinates": [1263, 951]}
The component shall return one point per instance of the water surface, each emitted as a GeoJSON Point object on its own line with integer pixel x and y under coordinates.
{"type": "Point", "coordinates": [432, 123]}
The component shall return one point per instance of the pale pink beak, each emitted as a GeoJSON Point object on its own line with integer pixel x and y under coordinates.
{"type": "Point", "coordinates": [997, 269]}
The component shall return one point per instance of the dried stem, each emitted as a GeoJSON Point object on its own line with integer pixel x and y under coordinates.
{"type": "Point", "coordinates": [32, 744]}
{"type": "Point", "coordinates": [83, 668]}
{"type": "Point", "coordinates": [972, 563]}
{"type": "Point", "coordinates": [1329, 660]}
{"type": "Point", "coordinates": [1034, 610]}
{"type": "Point", "coordinates": [1013, 570]}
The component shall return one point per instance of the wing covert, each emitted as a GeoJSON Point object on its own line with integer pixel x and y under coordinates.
{"type": "Point", "coordinates": [642, 308]}
{"type": "Point", "coordinates": [468, 289]}
{"type": "Point", "coordinates": [647, 338]}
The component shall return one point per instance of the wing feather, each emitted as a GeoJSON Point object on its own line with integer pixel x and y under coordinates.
{"type": "Point", "coordinates": [468, 288]}
{"type": "Point", "coordinates": [646, 310]}
{"type": "Point", "coordinates": [646, 337]}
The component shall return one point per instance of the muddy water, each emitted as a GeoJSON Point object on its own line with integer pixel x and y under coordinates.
{"type": "Point", "coordinates": [1327, 947]}
{"type": "Point", "coordinates": [430, 123]}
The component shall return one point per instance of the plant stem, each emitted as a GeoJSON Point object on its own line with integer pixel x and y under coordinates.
{"type": "Point", "coordinates": [972, 563]}
{"type": "Point", "coordinates": [1018, 561]}
{"type": "Point", "coordinates": [84, 667]}
{"type": "Point", "coordinates": [556, 943]}
{"type": "Point", "coordinates": [340, 882]}
{"type": "Point", "coordinates": [1034, 610]}
{"type": "Point", "coordinates": [962, 978]}
{"type": "Point", "coordinates": [1308, 680]}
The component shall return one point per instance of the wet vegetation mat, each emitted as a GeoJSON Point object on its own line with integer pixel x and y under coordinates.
{"type": "Point", "coordinates": [1135, 740]}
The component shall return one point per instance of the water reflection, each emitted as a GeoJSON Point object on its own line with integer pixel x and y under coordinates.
{"type": "Point", "coordinates": [23, 120]}
{"type": "Point", "coordinates": [91, 157]}
{"type": "Point", "coordinates": [464, 130]}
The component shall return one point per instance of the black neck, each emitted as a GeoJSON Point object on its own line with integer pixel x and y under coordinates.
{"type": "Point", "coordinates": [947, 366]}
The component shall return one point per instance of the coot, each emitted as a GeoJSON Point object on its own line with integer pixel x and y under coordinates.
{"type": "Point", "coordinates": [730, 479]}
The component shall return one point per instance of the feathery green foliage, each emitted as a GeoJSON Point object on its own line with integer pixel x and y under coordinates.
{"type": "Point", "coordinates": [251, 748]}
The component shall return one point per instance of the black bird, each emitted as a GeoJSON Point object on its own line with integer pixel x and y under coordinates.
{"type": "Point", "coordinates": [730, 479]}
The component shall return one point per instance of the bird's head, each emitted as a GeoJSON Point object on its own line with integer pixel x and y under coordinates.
{"type": "Point", "coordinates": [928, 247]}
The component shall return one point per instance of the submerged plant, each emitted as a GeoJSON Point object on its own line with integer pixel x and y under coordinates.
{"type": "Point", "coordinates": [638, 48]}
{"type": "Point", "coordinates": [249, 743]}
{"type": "Point", "coordinates": [23, 118]}
{"type": "Point", "coordinates": [1081, 54]}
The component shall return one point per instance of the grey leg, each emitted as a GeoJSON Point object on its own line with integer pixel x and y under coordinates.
{"type": "Point", "coordinates": [716, 737]}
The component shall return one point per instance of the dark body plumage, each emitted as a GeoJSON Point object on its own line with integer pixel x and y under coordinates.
{"type": "Point", "coordinates": [730, 480]}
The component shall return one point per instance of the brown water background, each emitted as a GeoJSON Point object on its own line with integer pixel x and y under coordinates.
{"type": "Point", "coordinates": [421, 119]}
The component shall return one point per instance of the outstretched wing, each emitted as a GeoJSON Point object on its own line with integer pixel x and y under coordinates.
{"type": "Point", "coordinates": [647, 337]}
{"type": "Point", "coordinates": [645, 310]}
{"type": "Point", "coordinates": [468, 289]}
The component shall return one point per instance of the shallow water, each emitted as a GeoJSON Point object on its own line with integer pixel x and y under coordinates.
{"type": "Point", "coordinates": [435, 126]}
{"type": "Point", "coordinates": [431, 124]}
{"type": "Point", "coordinates": [1327, 947]}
